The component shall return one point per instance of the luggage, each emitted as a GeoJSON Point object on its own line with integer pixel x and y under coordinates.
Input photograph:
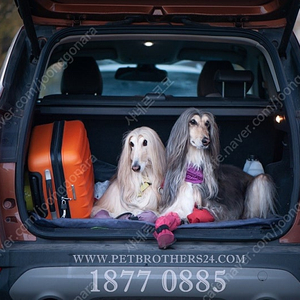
{"type": "Point", "coordinates": [61, 170]}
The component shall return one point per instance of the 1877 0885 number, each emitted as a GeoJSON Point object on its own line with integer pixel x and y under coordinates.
{"type": "Point", "coordinates": [184, 280]}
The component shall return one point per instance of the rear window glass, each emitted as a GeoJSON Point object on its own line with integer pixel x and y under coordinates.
{"type": "Point", "coordinates": [181, 80]}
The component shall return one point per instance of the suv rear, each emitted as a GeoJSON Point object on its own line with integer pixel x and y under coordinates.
{"type": "Point", "coordinates": [151, 58]}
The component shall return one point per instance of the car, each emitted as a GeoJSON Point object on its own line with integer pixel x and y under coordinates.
{"type": "Point", "coordinates": [99, 69]}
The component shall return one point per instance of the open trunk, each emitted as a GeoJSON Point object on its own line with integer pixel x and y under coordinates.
{"type": "Point", "coordinates": [251, 122]}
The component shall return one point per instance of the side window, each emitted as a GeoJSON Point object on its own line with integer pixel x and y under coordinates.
{"type": "Point", "coordinates": [50, 82]}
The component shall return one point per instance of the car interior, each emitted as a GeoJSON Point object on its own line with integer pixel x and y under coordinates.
{"type": "Point", "coordinates": [114, 85]}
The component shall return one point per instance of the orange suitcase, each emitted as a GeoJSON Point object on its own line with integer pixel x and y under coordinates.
{"type": "Point", "coordinates": [61, 170]}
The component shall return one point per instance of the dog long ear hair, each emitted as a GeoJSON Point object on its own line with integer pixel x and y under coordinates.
{"type": "Point", "coordinates": [176, 152]}
{"type": "Point", "coordinates": [129, 181]}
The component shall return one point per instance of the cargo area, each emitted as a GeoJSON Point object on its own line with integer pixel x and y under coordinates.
{"type": "Point", "coordinates": [239, 137]}
{"type": "Point", "coordinates": [114, 86]}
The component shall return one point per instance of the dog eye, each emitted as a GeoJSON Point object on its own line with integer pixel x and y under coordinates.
{"type": "Point", "coordinates": [131, 144]}
{"type": "Point", "coordinates": [193, 122]}
{"type": "Point", "coordinates": [207, 124]}
{"type": "Point", "coordinates": [145, 142]}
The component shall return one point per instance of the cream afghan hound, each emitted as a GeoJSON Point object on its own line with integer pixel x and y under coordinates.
{"type": "Point", "coordinates": [141, 169]}
{"type": "Point", "coordinates": [195, 177]}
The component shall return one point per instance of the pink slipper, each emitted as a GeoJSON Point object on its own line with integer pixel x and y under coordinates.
{"type": "Point", "coordinates": [165, 238]}
{"type": "Point", "coordinates": [164, 226]}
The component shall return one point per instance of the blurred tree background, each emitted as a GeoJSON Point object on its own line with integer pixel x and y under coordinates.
{"type": "Point", "coordinates": [10, 23]}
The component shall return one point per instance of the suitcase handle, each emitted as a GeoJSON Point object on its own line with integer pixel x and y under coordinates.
{"type": "Point", "coordinates": [36, 186]}
{"type": "Point", "coordinates": [50, 194]}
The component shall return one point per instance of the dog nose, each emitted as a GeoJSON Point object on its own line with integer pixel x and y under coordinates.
{"type": "Point", "coordinates": [136, 168]}
{"type": "Point", "coordinates": [205, 141]}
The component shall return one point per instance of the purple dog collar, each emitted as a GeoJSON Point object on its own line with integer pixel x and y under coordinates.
{"type": "Point", "coordinates": [194, 175]}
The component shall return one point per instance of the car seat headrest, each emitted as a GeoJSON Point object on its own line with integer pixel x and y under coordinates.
{"type": "Point", "coordinates": [234, 83]}
{"type": "Point", "coordinates": [82, 76]}
{"type": "Point", "coordinates": [206, 84]}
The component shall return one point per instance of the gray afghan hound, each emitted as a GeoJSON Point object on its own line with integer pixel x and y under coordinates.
{"type": "Point", "coordinates": [195, 177]}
